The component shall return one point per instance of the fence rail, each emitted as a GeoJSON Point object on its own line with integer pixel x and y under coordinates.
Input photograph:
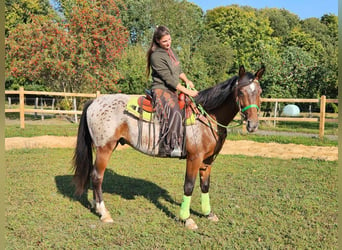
{"type": "Point", "coordinates": [22, 110]}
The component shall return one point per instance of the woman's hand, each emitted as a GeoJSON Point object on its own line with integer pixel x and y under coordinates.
{"type": "Point", "coordinates": [190, 84]}
{"type": "Point", "coordinates": [186, 91]}
{"type": "Point", "coordinates": [192, 93]}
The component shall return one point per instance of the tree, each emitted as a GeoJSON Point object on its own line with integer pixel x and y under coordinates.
{"type": "Point", "coordinates": [331, 21]}
{"type": "Point", "coordinates": [281, 21]}
{"type": "Point", "coordinates": [132, 67]}
{"type": "Point", "coordinates": [77, 55]}
{"type": "Point", "coordinates": [242, 30]}
{"type": "Point", "coordinates": [216, 57]}
{"type": "Point", "coordinates": [291, 74]}
{"type": "Point", "coordinates": [303, 40]}
{"type": "Point", "coordinates": [20, 11]}
{"type": "Point", "coordinates": [136, 17]}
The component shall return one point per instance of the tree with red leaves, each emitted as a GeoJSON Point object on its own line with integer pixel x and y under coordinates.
{"type": "Point", "coordinates": [77, 54]}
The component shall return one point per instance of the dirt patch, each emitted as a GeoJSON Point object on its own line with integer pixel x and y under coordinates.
{"type": "Point", "coordinates": [243, 147]}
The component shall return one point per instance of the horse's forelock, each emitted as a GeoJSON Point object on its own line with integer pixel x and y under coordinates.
{"type": "Point", "coordinates": [246, 79]}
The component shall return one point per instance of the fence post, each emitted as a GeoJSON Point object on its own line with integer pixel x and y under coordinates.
{"type": "Point", "coordinates": [22, 107]}
{"type": "Point", "coordinates": [275, 113]}
{"type": "Point", "coordinates": [42, 107]}
{"type": "Point", "coordinates": [322, 117]}
{"type": "Point", "coordinates": [75, 109]}
{"type": "Point", "coordinates": [35, 106]}
{"type": "Point", "coordinates": [98, 93]}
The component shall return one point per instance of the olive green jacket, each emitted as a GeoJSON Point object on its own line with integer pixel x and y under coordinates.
{"type": "Point", "coordinates": [165, 72]}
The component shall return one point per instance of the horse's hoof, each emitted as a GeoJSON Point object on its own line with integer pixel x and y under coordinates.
{"type": "Point", "coordinates": [212, 217]}
{"type": "Point", "coordinates": [107, 219]}
{"type": "Point", "coordinates": [190, 224]}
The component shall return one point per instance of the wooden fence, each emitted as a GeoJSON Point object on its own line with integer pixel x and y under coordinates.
{"type": "Point", "coordinates": [22, 110]}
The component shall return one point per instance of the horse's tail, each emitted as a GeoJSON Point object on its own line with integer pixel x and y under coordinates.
{"type": "Point", "coordinates": [83, 155]}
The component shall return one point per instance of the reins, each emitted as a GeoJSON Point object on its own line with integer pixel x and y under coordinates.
{"type": "Point", "coordinates": [207, 115]}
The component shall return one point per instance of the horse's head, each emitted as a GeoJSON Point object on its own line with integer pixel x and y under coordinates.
{"type": "Point", "coordinates": [248, 96]}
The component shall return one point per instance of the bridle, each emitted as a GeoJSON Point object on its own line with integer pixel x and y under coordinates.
{"type": "Point", "coordinates": [243, 109]}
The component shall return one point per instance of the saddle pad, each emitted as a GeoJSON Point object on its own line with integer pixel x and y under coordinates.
{"type": "Point", "coordinates": [134, 109]}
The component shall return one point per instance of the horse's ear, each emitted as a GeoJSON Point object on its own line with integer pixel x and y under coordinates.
{"type": "Point", "coordinates": [260, 72]}
{"type": "Point", "coordinates": [242, 71]}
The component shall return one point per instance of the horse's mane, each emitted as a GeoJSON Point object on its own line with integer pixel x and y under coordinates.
{"type": "Point", "coordinates": [213, 97]}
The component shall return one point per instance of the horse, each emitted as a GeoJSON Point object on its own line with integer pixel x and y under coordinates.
{"type": "Point", "coordinates": [105, 123]}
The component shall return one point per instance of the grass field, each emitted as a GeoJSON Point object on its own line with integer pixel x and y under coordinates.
{"type": "Point", "coordinates": [261, 203]}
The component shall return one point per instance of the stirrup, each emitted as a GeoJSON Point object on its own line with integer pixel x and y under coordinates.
{"type": "Point", "coordinates": [177, 152]}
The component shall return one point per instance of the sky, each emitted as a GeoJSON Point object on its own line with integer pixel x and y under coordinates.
{"type": "Point", "coordinates": [303, 8]}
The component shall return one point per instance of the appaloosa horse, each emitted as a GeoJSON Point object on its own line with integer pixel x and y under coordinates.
{"type": "Point", "coordinates": [105, 122]}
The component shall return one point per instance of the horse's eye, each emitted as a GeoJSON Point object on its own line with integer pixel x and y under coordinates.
{"type": "Point", "coordinates": [240, 93]}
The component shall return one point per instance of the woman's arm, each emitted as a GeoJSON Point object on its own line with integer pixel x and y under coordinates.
{"type": "Point", "coordinates": [183, 77]}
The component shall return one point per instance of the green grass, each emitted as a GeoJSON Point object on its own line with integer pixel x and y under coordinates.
{"type": "Point", "coordinates": [330, 128]}
{"type": "Point", "coordinates": [30, 130]}
{"type": "Point", "coordinates": [308, 141]}
{"type": "Point", "coordinates": [261, 204]}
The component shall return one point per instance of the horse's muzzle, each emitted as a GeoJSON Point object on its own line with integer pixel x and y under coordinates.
{"type": "Point", "coordinates": [252, 126]}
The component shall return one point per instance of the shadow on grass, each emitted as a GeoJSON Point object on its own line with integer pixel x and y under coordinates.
{"type": "Point", "coordinates": [126, 187]}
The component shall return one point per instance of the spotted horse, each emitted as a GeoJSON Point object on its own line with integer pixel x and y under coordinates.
{"type": "Point", "coordinates": [105, 123]}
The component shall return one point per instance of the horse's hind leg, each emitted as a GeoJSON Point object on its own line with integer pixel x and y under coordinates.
{"type": "Point", "coordinates": [102, 157]}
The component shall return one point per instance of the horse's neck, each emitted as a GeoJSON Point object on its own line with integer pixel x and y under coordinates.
{"type": "Point", "coordinates": [226, 112]}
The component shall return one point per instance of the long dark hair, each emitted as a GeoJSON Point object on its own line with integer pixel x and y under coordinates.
{"type": "Point", "coordinates": [159, 32]}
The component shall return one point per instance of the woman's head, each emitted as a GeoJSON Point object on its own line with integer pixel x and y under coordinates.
{"type": "Point", "coordinates": [161, 38]}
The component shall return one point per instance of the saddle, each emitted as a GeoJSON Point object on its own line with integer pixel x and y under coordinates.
{"type": "Point", "coordinates": [146, 101]}
{"type": "Point", "coordinates": [142, 107]}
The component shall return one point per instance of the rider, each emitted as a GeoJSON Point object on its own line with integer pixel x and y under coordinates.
{"type": "Point", "coordinates": [166, 72]}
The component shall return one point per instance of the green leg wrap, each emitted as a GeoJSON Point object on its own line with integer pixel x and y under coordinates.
{"type": "Point", "coordinates": [205, 201]}
{"type": "Point", "coordinates": [185, 208]}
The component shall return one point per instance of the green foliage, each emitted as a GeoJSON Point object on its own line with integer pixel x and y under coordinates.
{"type": "Point", "coordinates": [305, 41]}
{"type": "Point", "coordinates": [281, 21]}
{"type": "Point", "coordinates": [132, 67]}
{"type": "Point", "coordinates": [79, 48]}
{"type": "Point", "coordinates": [20, 11]}
{"type": "Point", "coordinates": [77, 55]}
{"type": "Point", "coordinates": [290, 71]}
{"type": "Point", "coordinates": [242, 29]}
{"type": "Point", "coordinates": [212, 59]}
{"type": "Point", "coordinates": [331, 21]}
{"type": "Point", "coordinates": [136, 16]}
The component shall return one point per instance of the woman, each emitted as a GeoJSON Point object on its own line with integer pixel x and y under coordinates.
{"type": "Point", "coordinates": [166, 72]}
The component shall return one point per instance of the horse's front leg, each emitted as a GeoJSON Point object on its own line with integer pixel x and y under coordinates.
{"type": "Point", "coordinates": [205, 200]}
{"type": "Point", "coordinates": [192, 167]}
